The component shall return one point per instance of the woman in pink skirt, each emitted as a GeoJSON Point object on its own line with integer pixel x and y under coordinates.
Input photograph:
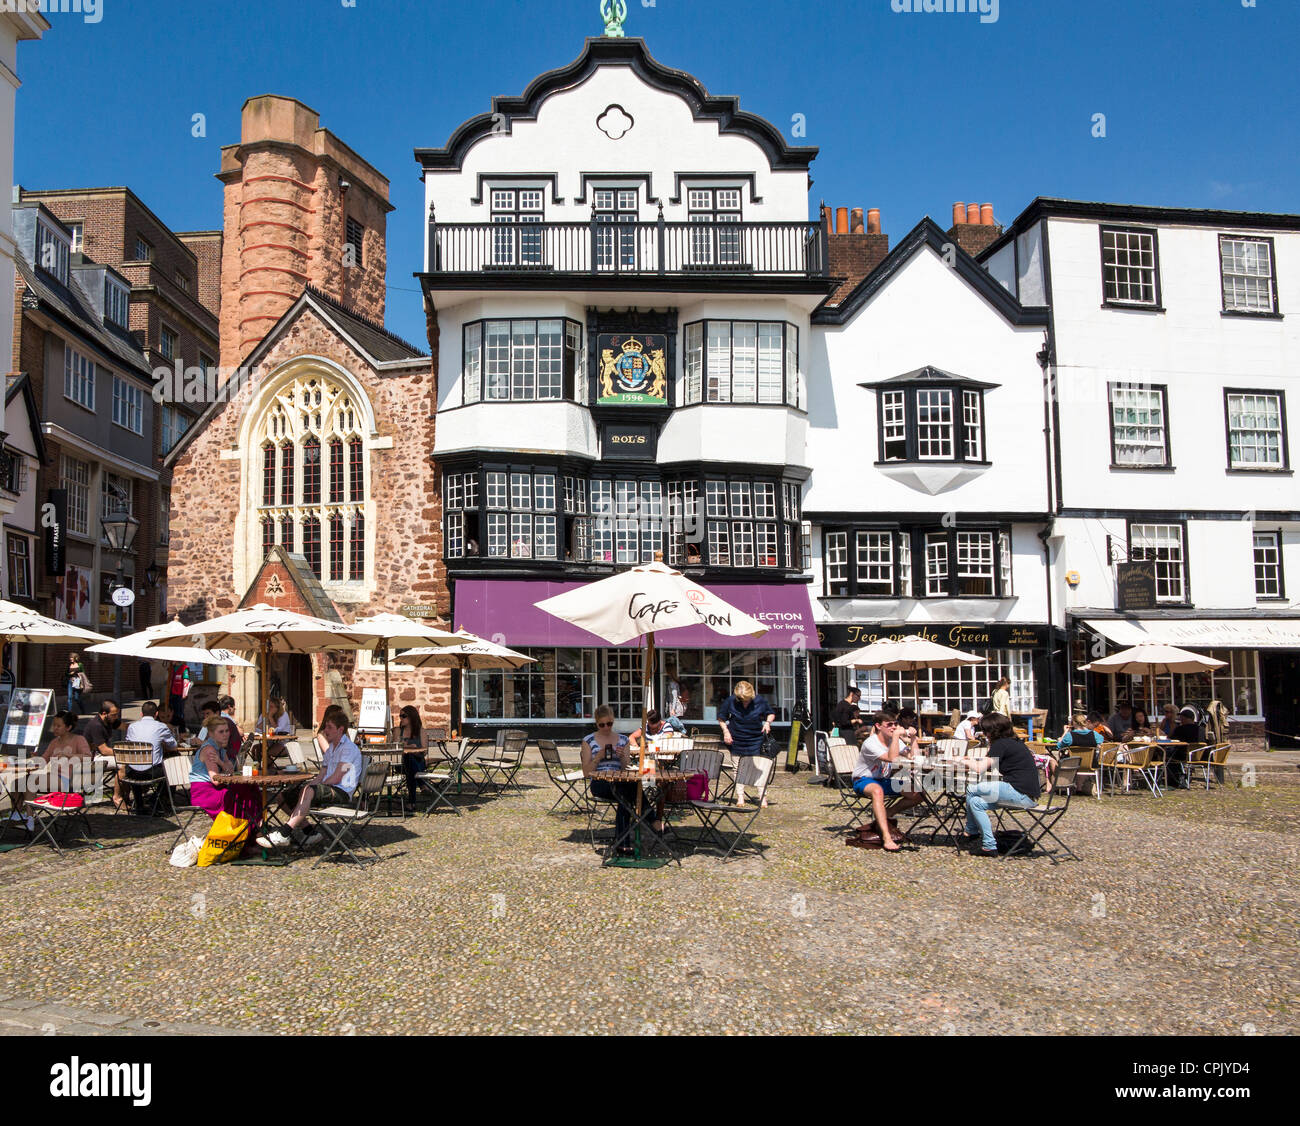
{"type": "Point", "coordinates": [214, 757]}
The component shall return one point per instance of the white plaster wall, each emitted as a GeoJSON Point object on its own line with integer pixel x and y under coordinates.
{"type": "Point", "coordinates": [1191, 348]}
{"type": "Point", "coordinates": [1220, 562]}
{"type": "Point", "coordinates": [1030, 285]}
{"type": "Point", "coordinates": [925, 315]}
{"type": "Point", "coordinates": [1002, 266]}
{"type": "Point", "coordinates": [664, 140]}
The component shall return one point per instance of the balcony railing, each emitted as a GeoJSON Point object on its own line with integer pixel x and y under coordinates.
{"type": "Point", "coordinates": [775, 250]}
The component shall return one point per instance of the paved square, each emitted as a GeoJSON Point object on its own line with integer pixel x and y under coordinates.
{"type": "Point", "coordinates": [1182, 918]}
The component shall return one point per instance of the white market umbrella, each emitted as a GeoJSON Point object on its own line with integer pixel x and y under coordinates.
{"type": "Point", "coordinates": [642, 601]}
{"type": "Point", "coordinates": [469, 652]}
{"type": "Point", "coordinates": [1150, 660]}
{"type": "Point", "coordinates": [396, 631]}
{"type": "Point", "coordinates": [22, 624]}
{"type": "Point", "coordinates": [267, 630]}
{"type": "Point", "coordinates": [138, 645]}
{"type": "Point", "coordinates": [906, 654]}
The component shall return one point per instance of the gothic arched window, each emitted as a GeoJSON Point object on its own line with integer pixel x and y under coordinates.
{"type": "Point", "coordinates": [313, 448]}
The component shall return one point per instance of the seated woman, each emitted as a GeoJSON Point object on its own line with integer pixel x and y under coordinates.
{"type": "Point", "coordinates": [410, 733]}
{"type": "Point", "coordinates": [68, 755]}
{"type": "Point", "coordinates": [877, 753]}
{"type": "Point", "coordinates": [279, 723]}
{"type": "Point", "coordinates": [1140, 727]}
{"type": "Point", "coordinates": [215, 757]}
{"type": "Point", "coordinates": [604, 752]}
{"type": "Point", "coordinates": [1169, 722]}
{"type": "Point", "coordinates": [1080, 732]}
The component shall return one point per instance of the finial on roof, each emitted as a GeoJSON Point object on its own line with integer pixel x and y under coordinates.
{"type": "Point", "coordinates": [613, 12]}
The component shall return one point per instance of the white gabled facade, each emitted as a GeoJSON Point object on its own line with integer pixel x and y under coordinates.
{"type": "Point", "coordinates": [616, 221]}
{"type": "Point", "coordinates": [927, 455]}
{"type": "Point", "coordinates": [1175, 350]}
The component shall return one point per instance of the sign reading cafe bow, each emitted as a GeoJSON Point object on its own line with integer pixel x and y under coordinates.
{"type": "Point", "coordinates": [633, 369]}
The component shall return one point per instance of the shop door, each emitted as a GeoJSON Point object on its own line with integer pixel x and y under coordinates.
{"type": "Point", "coordinates": [297, 689]}
{"type": "Point", "coordinates": [1281, 675]}
{"type": "Point", "coordinates": [624, 669]}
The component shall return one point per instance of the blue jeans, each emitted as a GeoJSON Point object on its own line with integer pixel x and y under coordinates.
{"type": "Point", "coordinates": [983, 796]}
{"type": "Point", "coordinates": [74, 698]}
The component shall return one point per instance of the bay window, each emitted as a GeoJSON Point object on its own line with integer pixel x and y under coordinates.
{"type": "Point", "coordinates": [742, 362]}
{"type": "Point", "coordinates": [930, 415]}
{"type": "Point", "coordinates": [521, 361]}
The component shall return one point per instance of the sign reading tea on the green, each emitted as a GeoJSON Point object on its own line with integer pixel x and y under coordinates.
{"type": "Point", "coordinates": [632, 369]}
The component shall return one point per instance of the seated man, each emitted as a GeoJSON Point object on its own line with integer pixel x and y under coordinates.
{"type": "Point", "coordinates": [968, 730]}
{"type": "Point", "coordinates": [876, 756]}
{"type": "Point", "coordinates": [148, 729]}
{"type": "Point", "coordinates": [209, 710]}
{"type": "Point", "coordinates": [1019, 787]}
{"type": "Point", "coordinates": [101, 733]}
{"type": "Point", "coordinates": [334, 783]}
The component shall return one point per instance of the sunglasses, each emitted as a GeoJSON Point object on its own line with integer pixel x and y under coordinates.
{"type": "Point", "coordinates": [599, 725]}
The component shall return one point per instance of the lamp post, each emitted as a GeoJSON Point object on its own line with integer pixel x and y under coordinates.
{"type": "Point", "coordinates": [120, 528]}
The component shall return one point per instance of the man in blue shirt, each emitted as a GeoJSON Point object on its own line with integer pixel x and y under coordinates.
{"type": "Point", "coordinates": [334, 783]}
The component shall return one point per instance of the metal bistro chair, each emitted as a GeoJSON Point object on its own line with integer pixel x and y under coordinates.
{"type": "Point", "coordinates": [345, 826]}
{"type": "Point", "coordinates": [858, 806]}
{"type": "Point", "coordinates": [1214, 763]}
{"type": "Point", "coordinates": [1140, 760]}
{"type": "Point", "coordinates": [49, 811]}
{"type": "Point", "coordinates": [392, 756]}
{"type": "Point", "coordinates": [139, 754]}
{"type": "Point", "coordinates": [1039, 822]}
{"type": "Point", "coordinates": [739, 819]}
{"type": "Point", "coordinates": [443, 772]}
{"type": "Point", "coordinates": [572, 784]}
{"type": "Point", "coordinates": [505, 765]}
{"type": "Point", "coordinates": [177, 770]}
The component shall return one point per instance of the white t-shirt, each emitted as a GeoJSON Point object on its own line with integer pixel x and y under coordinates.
{"type": "Point", "coordinates": [872, 760]}
{"type": "Point", "coordinates": [966, 731]}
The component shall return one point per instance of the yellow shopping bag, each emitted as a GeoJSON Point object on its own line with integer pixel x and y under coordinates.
{"type": "Point", "coordinates": [225, 840]}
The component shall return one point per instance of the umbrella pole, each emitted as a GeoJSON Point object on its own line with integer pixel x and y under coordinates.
{"type": "Point", "coordinates": [645, 712]}
{"type": "Point", "coordinates": [388, 702]}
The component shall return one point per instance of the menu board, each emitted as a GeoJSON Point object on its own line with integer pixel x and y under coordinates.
{"type": "Point", "coordinates": [26, 718]}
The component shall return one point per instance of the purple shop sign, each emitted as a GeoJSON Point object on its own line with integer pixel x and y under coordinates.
{"type": "Point", "coordinates": [506, 607]}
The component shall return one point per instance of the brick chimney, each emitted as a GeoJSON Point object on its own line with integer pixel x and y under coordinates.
{"type": "Point", "coordinates": [973, 228]}
{"type": "Point", "coordinates": [290, 189]}
{"type": "Point", "coordinates": [854, 251]}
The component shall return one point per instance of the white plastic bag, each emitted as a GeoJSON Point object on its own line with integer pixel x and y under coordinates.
{"type": "Point", "coordinates": [186, 854]}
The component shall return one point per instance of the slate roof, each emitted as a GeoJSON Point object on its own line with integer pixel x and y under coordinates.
{"type": "Point", "coordinates": [73, 307]}
{"type": "Point", "coordinates": [381, 345]}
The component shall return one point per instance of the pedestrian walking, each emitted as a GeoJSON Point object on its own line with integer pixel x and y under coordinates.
{"type": "Point", "coordinates": [77, 682]}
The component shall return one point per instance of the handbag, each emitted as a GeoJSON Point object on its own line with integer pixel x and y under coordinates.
{"type": "Point", "coordinates": [223, 840]}
{"type": "Point", "coordinates": [769, 749]}
{"type": "Point", "coordinates": [186, 854]}
{"type": "Point", "coordinates": [697, 787]}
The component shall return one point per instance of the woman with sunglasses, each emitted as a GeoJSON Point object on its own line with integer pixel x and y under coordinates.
{"type": "Point", "coordinates": [605, 751]}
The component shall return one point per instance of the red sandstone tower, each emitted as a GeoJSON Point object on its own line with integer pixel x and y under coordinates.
{"type": "Point", "coordinates": [301, 208]}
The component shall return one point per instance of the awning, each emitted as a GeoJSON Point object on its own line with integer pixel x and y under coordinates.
{"type": "Point", "coordinates": [1202, 633]}
{"type": "Point", "coordinates": [506, 607]}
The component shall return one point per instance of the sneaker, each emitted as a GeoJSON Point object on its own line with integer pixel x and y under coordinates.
{"type": "Point", "coordinates": [273, 840]}
{"type": "Point", "coordinates": [313, 840]}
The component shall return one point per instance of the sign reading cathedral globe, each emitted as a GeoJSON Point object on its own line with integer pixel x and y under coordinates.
{"type": "Point", "coordinates": [633, 370]}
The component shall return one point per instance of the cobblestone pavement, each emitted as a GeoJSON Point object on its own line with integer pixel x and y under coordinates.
{"type": "Point", "coordinates": [1182, 918]}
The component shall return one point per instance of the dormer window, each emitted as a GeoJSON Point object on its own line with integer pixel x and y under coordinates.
{"type": "Point", "coordinates": [53, 249]}
{"type": "Point", "coordinates": [930, 415]}
{"type": "Point", "coordinates": [117, 300]}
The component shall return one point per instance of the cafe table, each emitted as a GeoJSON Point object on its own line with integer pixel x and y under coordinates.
{"type": "Point", "coordinates": [455, 755]}
{"type": "Point", "coordinates": [268, 787]}
{"type": "Point", "coordinates": [942, 783]}
{"type": "Point", "coordinates": [14, 775]}
{"type": "Point", "coordinates": [635, 825]}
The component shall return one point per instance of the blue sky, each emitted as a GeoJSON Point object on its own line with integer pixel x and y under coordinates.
{"type": "Point", "coordinates": [911, 111]}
